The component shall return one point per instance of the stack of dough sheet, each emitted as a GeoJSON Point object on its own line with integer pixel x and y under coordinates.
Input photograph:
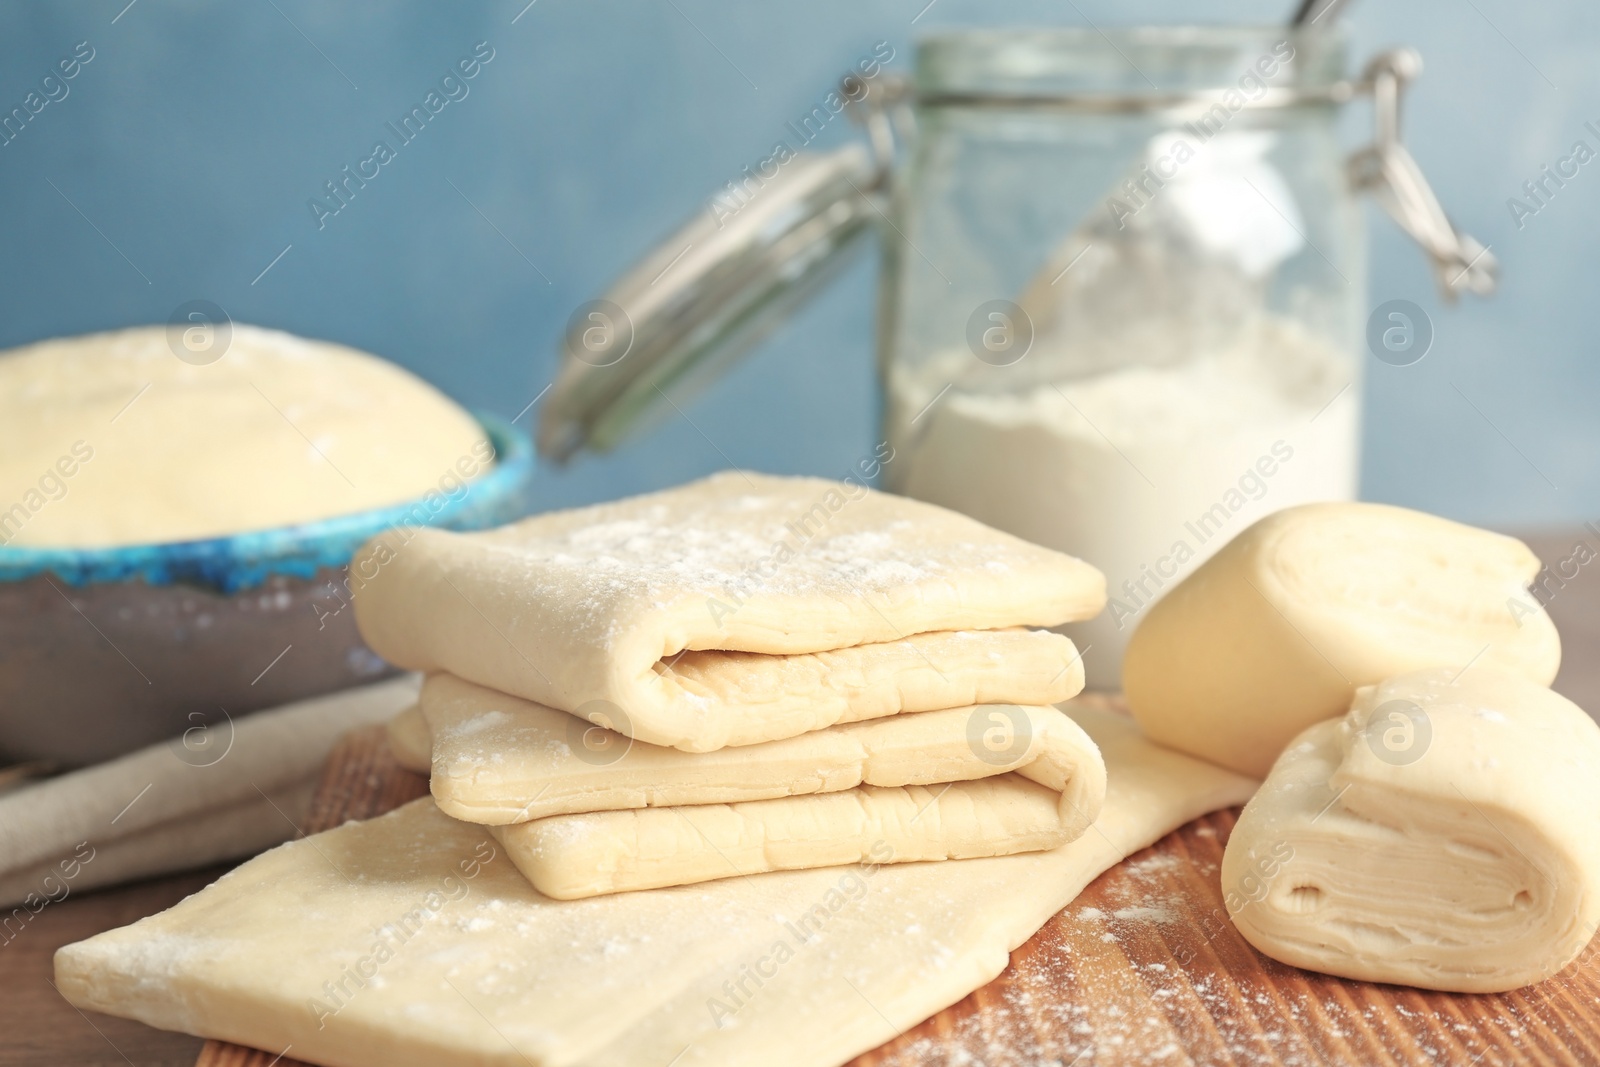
{"type": "Point", "coordinates": [581, 816]}
{"type": "Point", "coordinates": [409, 940]}
{"type": "Point", "coordinates": [741, 675]}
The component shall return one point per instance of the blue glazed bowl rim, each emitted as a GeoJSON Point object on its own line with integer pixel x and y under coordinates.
{"type": "Point", "coordinates": [245, 560]}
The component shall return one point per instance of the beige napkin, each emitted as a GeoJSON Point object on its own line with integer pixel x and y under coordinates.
{"type": "Point", "coordinates": [227, 790]}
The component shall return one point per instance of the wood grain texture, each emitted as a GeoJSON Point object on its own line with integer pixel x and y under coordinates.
{"type": "Point", "coordinates": [361, 781]}
{"type": "Point", "coordinates": [1143, 968]}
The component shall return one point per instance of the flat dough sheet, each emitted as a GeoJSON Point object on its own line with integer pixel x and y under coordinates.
{"type": "Point", "coordinates": [586, 610]}
{"type": "Point", "coordinates": [399, 943]}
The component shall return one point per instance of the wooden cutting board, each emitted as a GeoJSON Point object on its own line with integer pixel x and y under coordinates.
{"type": "Point", "coordinates": [1143, 968]}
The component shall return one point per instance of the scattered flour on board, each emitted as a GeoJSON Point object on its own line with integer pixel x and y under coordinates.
{"type": "Point", "coordinates": [1066, 1001]}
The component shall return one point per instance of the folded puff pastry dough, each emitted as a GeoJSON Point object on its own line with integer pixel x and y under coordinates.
{"type": "Point", "coordinates": [1279, 628]}
{"type": "Point", "coordinates": [499, 759]}
{"type": "Point", "coordinates": [582, 816]}
{"type": "Point", "coordinates": [573, 856]}
{"type": "Point", "coordinates": [396, 943]}
{"type": "Point", "coordinates": [588, 610]}
{"type": "Point", "coordinates": [1439, 835]}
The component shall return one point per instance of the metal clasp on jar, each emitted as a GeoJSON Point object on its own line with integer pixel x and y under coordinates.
{"type": "Point", "coordinates": [1389, 172]}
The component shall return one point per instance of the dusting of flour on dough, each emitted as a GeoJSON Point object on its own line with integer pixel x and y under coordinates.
{"type": "Point", "coordinates": [771, 541]}
{"type": "Point", "coordinates": [479, 723]}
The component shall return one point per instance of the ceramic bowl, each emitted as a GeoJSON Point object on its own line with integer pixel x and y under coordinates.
{"type": "Point", "coordinates": [103, 651]}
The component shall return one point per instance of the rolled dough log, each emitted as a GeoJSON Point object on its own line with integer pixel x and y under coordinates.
{"type": "Point", "coordinates": [499, 759]}
{"type": "Point", "coordinates": [585, 610]}
{"type": "Point", "coordinates": [1438, 835]}
{"type": "Point", "coordinates": [1279, 628]}
{"type": "Point", "coordinates": [394, 943]}
{"type": "Point", "coordinates": [112, 439]}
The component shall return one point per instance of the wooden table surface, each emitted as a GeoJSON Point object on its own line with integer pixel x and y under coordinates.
{"type": "Point", "coordinates": [1142, 968]}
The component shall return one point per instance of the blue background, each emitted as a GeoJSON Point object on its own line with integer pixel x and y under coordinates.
{"type": "Point", "coordinates": [189, 146]}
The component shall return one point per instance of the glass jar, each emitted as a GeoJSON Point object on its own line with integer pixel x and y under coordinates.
{"type": "Point", "coordinates": [1123, 315]}
{"type": "Point", "coordinates": [1123, 297]}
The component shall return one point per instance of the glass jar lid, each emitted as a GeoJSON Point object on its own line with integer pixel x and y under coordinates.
{"type": "Point", "coordinates": [707, 294]}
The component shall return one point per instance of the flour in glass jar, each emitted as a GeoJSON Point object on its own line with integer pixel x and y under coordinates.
{"type": "Point", "coordinates": [1143, 471]}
